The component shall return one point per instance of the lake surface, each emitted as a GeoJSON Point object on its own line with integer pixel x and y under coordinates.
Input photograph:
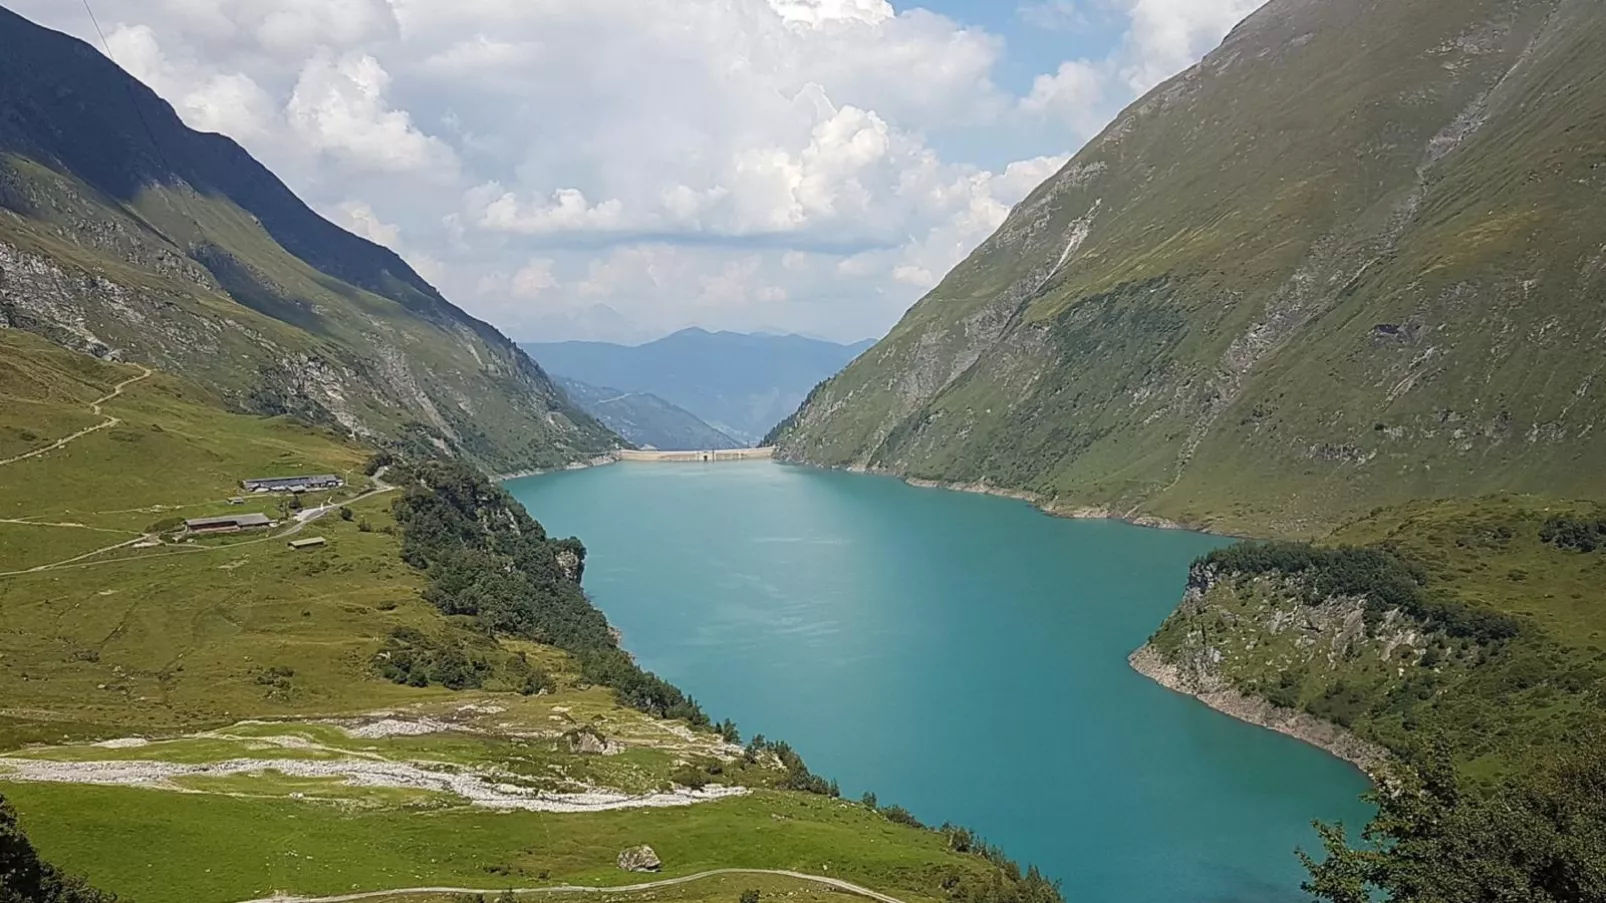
{"type": "Point", "coordinates": [960, 655]}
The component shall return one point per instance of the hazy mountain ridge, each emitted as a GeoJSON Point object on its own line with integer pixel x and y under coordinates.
{"type": "Point", "coordinates": [740, 384]}
{"type": "Point", "coordinates": [645, 419]}
{"type": "Point", "coordinates": [125, 233]}
{"type": "Point", "coordinates": [1353, 256]}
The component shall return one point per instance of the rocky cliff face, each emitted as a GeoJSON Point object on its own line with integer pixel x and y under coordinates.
{"type": "Point", "coordinates": [1249, 647]}
{"type": "Point", "coordinates": [1355, 255]}
{"type": "Point", "coordinates": [177, 249]}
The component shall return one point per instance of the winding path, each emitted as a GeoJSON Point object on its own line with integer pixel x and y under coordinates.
{"type": "Point", "coordinates": [94, 406]}
{"type": "Point", "coordinates": [572, 889]}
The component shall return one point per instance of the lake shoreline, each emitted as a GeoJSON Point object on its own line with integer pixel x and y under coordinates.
{"type": "Point", "coordinates": [1331, 738]}
{"type": "Point", "coordinates": [1035, 499]}
{"type": "Point", "coordinates": [1369, 758]}
{"type": "Point", "coordinates": [599, 461]}
{"type": "Point", "coordinates": [733, 581]}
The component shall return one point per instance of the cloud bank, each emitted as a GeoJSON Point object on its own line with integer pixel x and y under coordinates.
{"type": "Point", "coordinates": [617, 169]}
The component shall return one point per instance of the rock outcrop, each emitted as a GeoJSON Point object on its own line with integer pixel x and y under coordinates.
{"type": "Point", "coordinates": [640, 859]}
{"type": "Point", "coordinates": [1216, 693]}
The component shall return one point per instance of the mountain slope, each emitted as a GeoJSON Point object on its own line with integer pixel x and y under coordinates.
{"type": "Point", "coordinates": [740, 384]}
{"type": "Point", "coordinates": [645, 419]}
{"type": "Point", "coordinates": [125, 233]}
{"type": "Point", "coordinates": [1354, 256]}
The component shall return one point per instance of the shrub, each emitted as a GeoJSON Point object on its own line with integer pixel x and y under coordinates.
{"type": "Point", "coordinates": [901, 816]}
{"type": "Point", "coordinates": [1574, 533]}
{"type": "Point", "coordinates": [690, 776]}
{"type": "Point", "coordinates": [1386, 581]}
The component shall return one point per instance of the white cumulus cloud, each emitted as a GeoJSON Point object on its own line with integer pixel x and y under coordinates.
{"type": "Point", "coordinates": [623, 167]}
{"type": "Point", "coordinates": [339, 106]}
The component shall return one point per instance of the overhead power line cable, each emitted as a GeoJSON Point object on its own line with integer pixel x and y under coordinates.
{"type": "Point", "coordinates": [133, 97]}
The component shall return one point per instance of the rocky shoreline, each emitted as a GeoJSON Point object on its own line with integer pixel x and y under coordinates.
{"type": "Point", "coordinates": [1041, 502]}
{"type": "Point", "coordinates": [599, 461]}
{"type": "Point", "coordinates": [1369, 757]}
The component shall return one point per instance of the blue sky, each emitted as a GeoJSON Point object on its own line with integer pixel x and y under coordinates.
{"type": "Point", "coordinates": [620, 169]}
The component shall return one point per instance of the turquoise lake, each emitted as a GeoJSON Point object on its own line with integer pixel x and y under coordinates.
{"type": "Point", "coordinates": [960, 655]}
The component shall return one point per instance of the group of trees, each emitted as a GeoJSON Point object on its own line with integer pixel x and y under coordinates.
{"type": "Point", "coordinates": [1575, 533]}
{"type": "Point", "coordinates": [488, 560]}
{"type": "Point", "coordinates": [25, 878]}
{"type": "Point", "coordinates": [1539, 838]}
{"type": "Point", "coordinates": [1383, 578]}
{"type": "Point", "coordinates": [798, 776]}
{"type": "Point", "coordinates": [410, 657]}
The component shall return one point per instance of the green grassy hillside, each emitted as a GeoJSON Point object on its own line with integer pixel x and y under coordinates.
{"type": "Point", "coordinates": [1467, 639]}
{"type": "Point", "coordinates": [1451, 620]}
{"type": "Point", "coordinates": [126, 234]}
{"type": "Point", "coordinates": [1352, 258]}
{"type": "Point", "coordinates": [195, 719]}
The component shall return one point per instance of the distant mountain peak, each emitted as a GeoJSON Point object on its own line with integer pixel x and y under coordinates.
{"type": "Point", "coordinates": [739, 383]}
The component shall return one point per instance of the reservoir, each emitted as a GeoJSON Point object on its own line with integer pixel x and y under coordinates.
{"type": "Point", "coordinates": [961, 656]}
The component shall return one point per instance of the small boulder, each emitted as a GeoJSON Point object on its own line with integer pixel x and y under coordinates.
{"type": "Point", "coordinates": [640, 859]}
{"type": "Point", "coordinates": [589, 741]}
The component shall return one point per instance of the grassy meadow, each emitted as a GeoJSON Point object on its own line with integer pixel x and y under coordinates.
{"type": "Point", "coordinates": [125, 644]}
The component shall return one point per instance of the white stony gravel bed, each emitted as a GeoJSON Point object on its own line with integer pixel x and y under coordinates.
{"type": "Point", "coordinates": [478, 788]}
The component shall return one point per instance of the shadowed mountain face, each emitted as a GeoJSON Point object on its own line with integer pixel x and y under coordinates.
{"type": "Point", "coordinates": [645, 419]}
{"type": "Point", "coordinates": [1356, 255]}
{"type": "Point", "coordinates": [125, 233]}
{"type": "Point", "coordinates": [742, 385]}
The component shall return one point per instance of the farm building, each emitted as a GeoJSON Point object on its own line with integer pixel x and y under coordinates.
{"type": "Point", "coordinates": [230, 523]}
{"type": "Point", "coordinates": [294, 484]}
{"type": "Point", "coordinates": [309, 543]}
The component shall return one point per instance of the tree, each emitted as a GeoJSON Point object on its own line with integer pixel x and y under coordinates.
{"type": "Point", "coordinates": [749, 896]}
{"type": "Point", "coordinates": [868, 800]}
{"type": "Point", "coordinates": [1540, 837]}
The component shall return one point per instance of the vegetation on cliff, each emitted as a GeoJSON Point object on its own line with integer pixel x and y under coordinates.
{"type": "Point", "coordinates": [487, 559]}
{"type": "Point", "coordinates": [1539, 838]}
{"type": "Point", "coordinates": [1455, 620]}
{"type": "Point", "coordinates": [1467, 637]}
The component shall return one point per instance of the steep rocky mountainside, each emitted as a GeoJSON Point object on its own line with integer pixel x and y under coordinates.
{"type": "Point", "coordinates": [124, 233]}
{"type": "Point", "coordinates": [1356, 255]}
{"type": "Point", "coordinates": [739, 383]}
{"type": "Point", "coordinates": [645, 419]}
